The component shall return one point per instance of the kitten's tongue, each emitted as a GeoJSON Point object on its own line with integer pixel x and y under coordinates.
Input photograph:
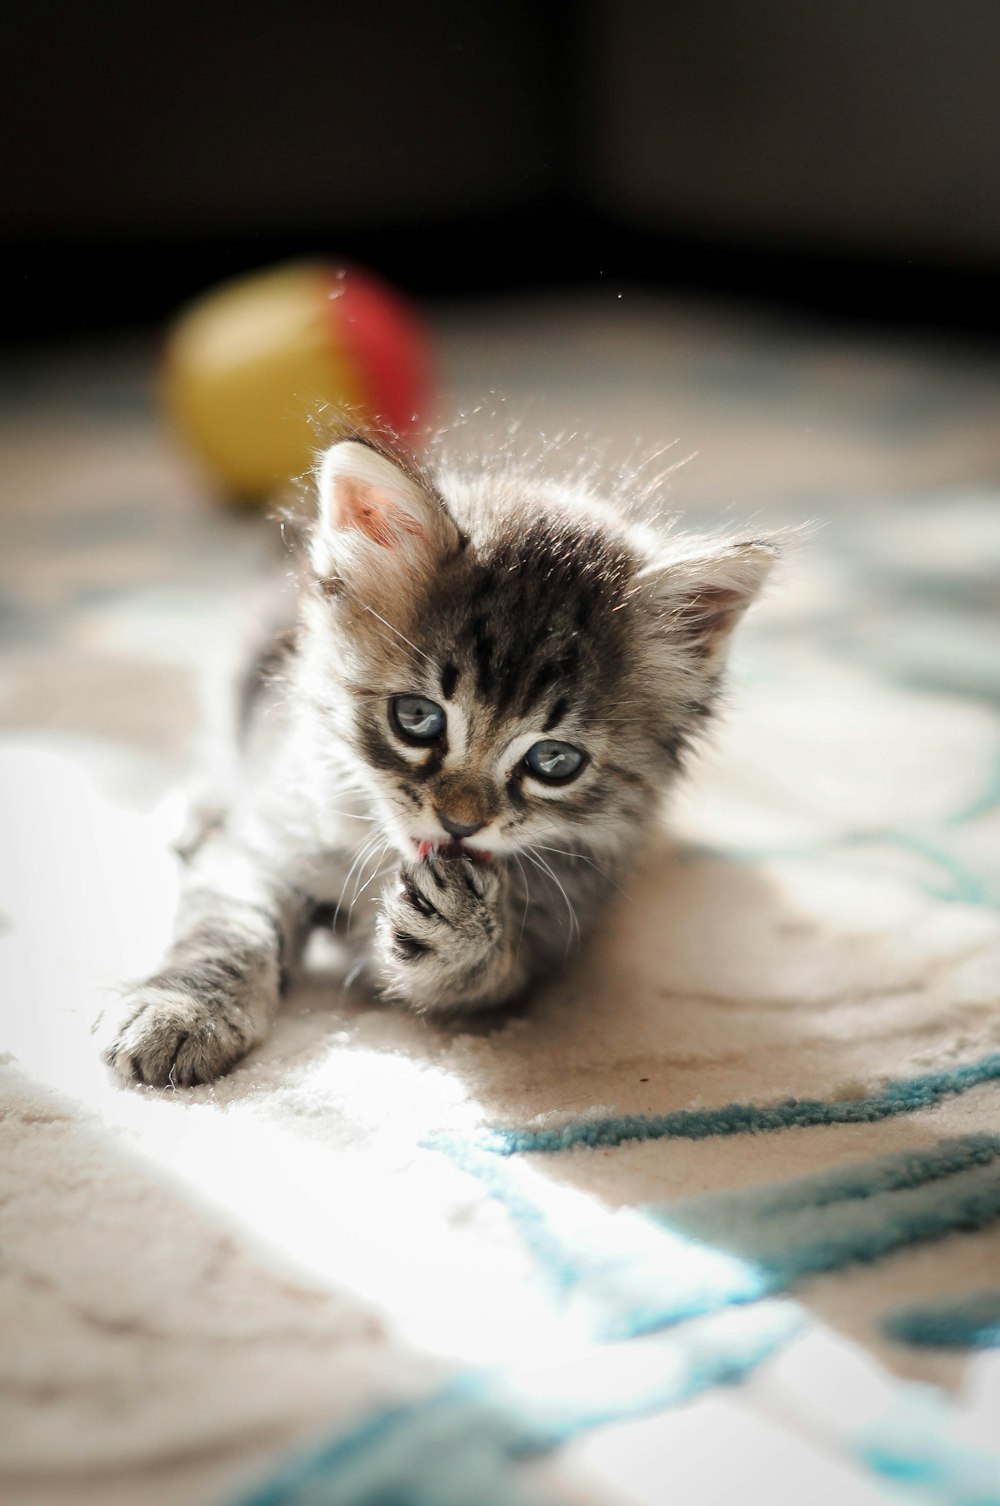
{"type": "Point", "coordinates": [453, 850]}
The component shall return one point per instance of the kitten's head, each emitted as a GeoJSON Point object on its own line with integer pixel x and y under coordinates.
{"type": "Point", "coordinates": [511, 663]}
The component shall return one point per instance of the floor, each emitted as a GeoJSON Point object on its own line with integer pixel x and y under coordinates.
{"type": "Point", "coordinates": [196, 1282]}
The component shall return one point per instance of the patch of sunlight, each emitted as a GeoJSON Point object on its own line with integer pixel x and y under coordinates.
{"type": "Point", "coordinates": [392, 1224]}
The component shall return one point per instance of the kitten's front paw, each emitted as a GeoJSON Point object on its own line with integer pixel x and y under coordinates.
{"type": "Point", "coordinates": [441, 934]}
{"type": "Point", "coordinates": [167, 1037]}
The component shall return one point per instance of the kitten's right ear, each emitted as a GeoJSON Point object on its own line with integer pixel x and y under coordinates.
{"type": "Point", "coordinates": [378, 530]}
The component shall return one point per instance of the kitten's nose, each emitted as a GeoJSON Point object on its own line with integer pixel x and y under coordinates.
{"type": "Point", "coordinates": [459, 829]}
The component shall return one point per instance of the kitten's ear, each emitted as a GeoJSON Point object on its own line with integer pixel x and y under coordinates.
{"type": "Point", "coordinates": [378, 528]}
{"type": "Point", "coordinates": [699, 601]}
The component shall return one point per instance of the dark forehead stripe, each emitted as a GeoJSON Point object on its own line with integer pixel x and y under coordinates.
{"type": "Point", "coordinates": [556, 715]}
{"type": "Point", "coordinates": [540, 602]}
{"type": "Point", "coordinates": [546, 674]}
{"type": "Point", "coordinates": [569, 661]}
{"type": "Point", "coordinates": [482, 649]}
{"type": "Point", "coordinates": [449, 679]}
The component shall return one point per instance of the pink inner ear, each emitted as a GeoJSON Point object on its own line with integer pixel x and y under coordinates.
{"type": "Point", "coordinates": [372, 512]}
{"type": "Point", "coordinates": [710, 610]}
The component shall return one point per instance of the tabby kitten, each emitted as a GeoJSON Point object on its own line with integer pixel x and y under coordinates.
{"type": "Point", "coordinates": [491, 682]}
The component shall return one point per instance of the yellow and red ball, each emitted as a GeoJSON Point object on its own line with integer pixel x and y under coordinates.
{"type": "Point", "coordinates": [251, 365]}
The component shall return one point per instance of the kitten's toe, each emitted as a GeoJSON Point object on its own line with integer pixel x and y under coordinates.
{"type": "Point", "coordinates": [480, 879]}
{"type": "Point", "coordinates": [167, 1038]}
{"type": "Point", "coordinates": [448, 886]}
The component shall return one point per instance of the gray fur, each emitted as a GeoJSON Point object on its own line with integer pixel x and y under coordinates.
{"type": "Point", "coordinates": [525, 611]}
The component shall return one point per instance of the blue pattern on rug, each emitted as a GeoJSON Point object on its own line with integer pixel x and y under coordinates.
{"type": "Point", "coordinates": [901, 1096]}
{"type": "Point", "coordinates": [463, 1443]}
{"type": "Point", "coordinates": [703, 1269]}
{"type": "Point", "coordinates": [962, 885]}
{"type": "Point", "coordinates": [967, 1322]}
{"type": "Point", "coordinates": [914, 1449]}
{"type": "Point", "coordinates": [636, 1271]}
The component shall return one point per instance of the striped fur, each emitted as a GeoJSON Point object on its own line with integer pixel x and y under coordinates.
{"type": "Point", "coordinates": [526, 612]}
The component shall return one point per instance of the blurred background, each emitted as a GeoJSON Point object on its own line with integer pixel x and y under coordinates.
{"type": "Point", "coordinates": [762, 234]}
{"type": "Point", "coordinates": [843, 156]}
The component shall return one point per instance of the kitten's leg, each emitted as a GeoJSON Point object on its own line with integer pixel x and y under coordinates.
{"type": "Point", "coordinates": [456, 934]}
{"type": "Point", "coordinates": [215, 996]}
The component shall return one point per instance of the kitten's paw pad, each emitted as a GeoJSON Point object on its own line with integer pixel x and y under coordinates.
{"type": "Point", "coordinates": [165, 1037]}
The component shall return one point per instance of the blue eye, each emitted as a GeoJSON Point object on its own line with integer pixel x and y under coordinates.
{"type": "Point", "coordinates": [554, 762]}
{"type": "Point", "coordinates": [416, 718]}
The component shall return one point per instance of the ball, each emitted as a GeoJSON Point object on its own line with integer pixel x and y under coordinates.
{"type": "Point", "coordinates": [252, 366]}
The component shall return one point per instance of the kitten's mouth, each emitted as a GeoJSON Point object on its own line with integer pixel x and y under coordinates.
{"type": "Point", "coordinates": [452, 850]}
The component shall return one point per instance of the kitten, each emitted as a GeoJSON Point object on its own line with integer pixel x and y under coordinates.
{"type": "Point", "coordinates": [491, 682]}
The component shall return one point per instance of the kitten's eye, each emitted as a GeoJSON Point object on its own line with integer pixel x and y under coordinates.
{"type": "Point", "coordinates": [554, 762]}
{"type": "Point", "coordinates": [416, 718]}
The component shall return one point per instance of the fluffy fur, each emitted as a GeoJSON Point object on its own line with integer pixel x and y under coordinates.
{"type": "Point", "coordinates": [530, 621]}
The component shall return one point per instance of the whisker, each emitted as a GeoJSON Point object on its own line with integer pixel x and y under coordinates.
{"type": "Point", "coordinates": [543, 867]}
{"type": "Point", "coordinates": [357, 968]}
{"type": "Point", "coordinates": [567, 853]}
{"type": "Point", "coordinates": [376, 899]}
{"type": "Point", "coordinates": [401, 636]}
{"type": "Point", "coordinates": [360, 856]}
{"type": "Point", "coordinates": [527, 901]}
{"type": "Point", "coordinates": [358, 892]}
{"type": "Point", "coordinates": [347, 815]}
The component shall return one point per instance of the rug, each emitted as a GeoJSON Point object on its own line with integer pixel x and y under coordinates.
{"type": "Point", "coordinates": [719, 1213]}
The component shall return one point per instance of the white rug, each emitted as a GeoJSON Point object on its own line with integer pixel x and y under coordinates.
{"type": "Point", "coordinates": [337, 1241]}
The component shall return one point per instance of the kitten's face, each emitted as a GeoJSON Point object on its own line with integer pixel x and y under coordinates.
{"type": "Point", "coordinates": [519, 687]}
{"type": "Point", "coordinates": [507, 724]}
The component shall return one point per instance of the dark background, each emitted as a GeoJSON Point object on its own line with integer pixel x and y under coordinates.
{"type": "Point", "coordinates": [838, 154]}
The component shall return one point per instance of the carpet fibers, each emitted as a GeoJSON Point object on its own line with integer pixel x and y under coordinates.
{"type": "Point", "coordinates": [720, 1212]}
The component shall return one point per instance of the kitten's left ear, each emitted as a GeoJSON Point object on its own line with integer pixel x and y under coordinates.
{"type": "Point", "coordinates": [378, 527]}
{"type": "Point", "coordinates": [699, 601]}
